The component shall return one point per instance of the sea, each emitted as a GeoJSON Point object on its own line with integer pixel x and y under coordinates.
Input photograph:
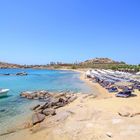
{"type": "Point", "coordinates": [14, 109]}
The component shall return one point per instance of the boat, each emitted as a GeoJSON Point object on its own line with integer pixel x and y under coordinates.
{"type": "Point", "coordinates": [3, 92]}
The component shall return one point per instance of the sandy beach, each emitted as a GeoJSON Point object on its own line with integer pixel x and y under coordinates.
{"type": "Point", "coordinates": [93, 116]}
{"type": "Point", "coordinates": [69, 70]}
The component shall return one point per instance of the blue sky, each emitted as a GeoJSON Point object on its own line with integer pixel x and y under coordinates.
{"type": "Point", "coordinates": [40, 31]}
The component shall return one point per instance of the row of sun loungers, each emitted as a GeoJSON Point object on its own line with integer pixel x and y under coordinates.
{"type": "Point", "coordinates": [108, 79]}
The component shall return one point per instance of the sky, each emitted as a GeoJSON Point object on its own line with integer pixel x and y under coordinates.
{"type": "Point", "coordinates": [41, 31]}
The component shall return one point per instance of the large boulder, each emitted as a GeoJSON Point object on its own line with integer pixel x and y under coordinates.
{"type": "Point", "coordinates": [54, 101]}
{"type": "Point", "coordinates": [26, 94]}
{"type": "Point", "coordinates": [49, 111]}
{"type": "Point", "coordinates": [35, 107]}
{"type": "Point", "coordinates": [59, 104]}
{"type": "Point", "coordinates": [29, 96]}
{"type": "Point", "coordinates": [37, 118]}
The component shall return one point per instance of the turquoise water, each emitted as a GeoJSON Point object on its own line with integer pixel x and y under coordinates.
{"type": "Point", "coordinates": [13, 107]}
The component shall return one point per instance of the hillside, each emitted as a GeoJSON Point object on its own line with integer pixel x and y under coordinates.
{"type": "Point", "coordinates": [4, 65]}
{"type": "Point", "coordinates": [100, 61]}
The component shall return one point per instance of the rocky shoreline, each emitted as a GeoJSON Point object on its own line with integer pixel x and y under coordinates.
{"type": "Point", "coordinates": [53, 101]}
{"type": "Point", "coordinates": [49, 103]}
{"type": "Point", "coordinates": [69, 116]}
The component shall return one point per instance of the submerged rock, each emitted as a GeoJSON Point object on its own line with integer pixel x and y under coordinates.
{"type": "Point", "coordinates": [2, 110]}
{"type": "Point", "coordinates": [21, 74]}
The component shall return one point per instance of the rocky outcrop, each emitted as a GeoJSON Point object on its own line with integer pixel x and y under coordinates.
{"type": "Point", "coordinates": [53, 101]}
{"type": "Point", "coordinates": [35, 94]}
{"type": "Point", "coordinates": [4, 65]}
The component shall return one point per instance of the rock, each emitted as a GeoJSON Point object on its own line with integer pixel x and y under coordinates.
{"type": "Point", "coordinates": [60, 95]}
{"type": "Point", "coordinates": [124, 114]}
{"type": "Point", "coordinates": [23, 95]}
{"type": "Point", "coordinates": [72, 99]}
{"type": "Point", "coordinates": [42, 107]}
{"type": "Point", "coordinates": [35, 107]}
{"type": "Point", "coordinates": [49, 111]}
{"type": "Point", "coordinates": [37, 118]}
{"type": "Point", "coordinates": [38, 127]}
{"type": "Point", "coordinates": [2, 110]}
{"type": "Point", "coordinates": [62, 100]}
{"type": "Point", "coordinates": [21, 74]}
{"type": "Point", "coordinates": [7, 74]}
{"type": "Point", "coordinates": [53, 102]}
{"type": "Point", "coordinates": [29, 96]}
{"type": "Point", "coordinates": [59, 104]}
{"type": "Point", "coordinates": [134, 114]}
{"type": "Point", "coordinates": [62, 116]}
{"type": "Point", "coordinates": [109, 134]}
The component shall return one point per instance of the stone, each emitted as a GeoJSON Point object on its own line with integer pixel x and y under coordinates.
{"type": "Point", "coordinates": [134, 114]}
{"type": "Point", "coordinates": [23, 95]}
{"type": "Point", "coordinates": [38, 127]}
{"type": "Point", "coordinates": [29, 96]}
{"type": "Point", "coordinates": [49, 111]}
{"type": "Point", "coordinates": [21, 74]}
{"type": "Point", "coordinates": [60, 117]}
{"type": "Point", "coordinates": [37, 118]}
{"type": "Point", "coordinates": [42, 107]}
{"type": "Point", "coordinates": [72, 99]}
{"type": "Point", "coordinates": [60, 95]}
{"type": "Point", "coordinates": [62, 100]}
{"type": "Point", "coordinates": [59, 104]}
{"type": "Point", "coordinates": [7, 74]}
{"type": "Point", "coordinates": [35, 107]}
{"type": "Point", "coordinates": [2, 110]}
{"type": "Point", "coordinates": [124, 114]}
{"type": "Point", "coordinates": [109, 134]}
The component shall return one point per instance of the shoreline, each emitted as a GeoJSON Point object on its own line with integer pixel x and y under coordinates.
{"type": "Point", "coordinates": [95, 87]}
{"type": "Point", "coordinates": [89, 117]}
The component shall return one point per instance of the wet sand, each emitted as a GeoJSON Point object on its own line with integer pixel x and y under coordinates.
{"type": "Point", "coordinates": [92, 116]}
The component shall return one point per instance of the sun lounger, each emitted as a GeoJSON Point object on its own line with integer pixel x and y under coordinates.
{"type": "Point", "coordinates": [112, 89]}
{"type": "Point", "coordinates": [124, 94]}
